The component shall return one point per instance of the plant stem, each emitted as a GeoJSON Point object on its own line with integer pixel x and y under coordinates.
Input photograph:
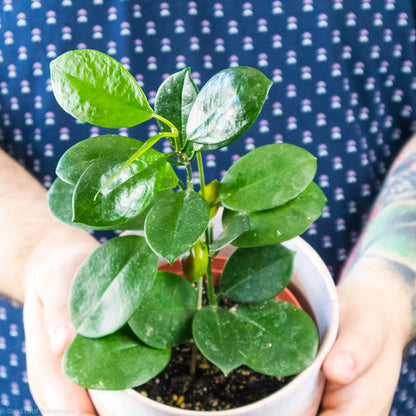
{"type": "Point", "coordinates": [200, 288]}
{"type": "Point", "coordinates": [173, 129]}
{"type": "Point", "coordinates": [212, 297]}
{"type": "Point", "coordinates": [189, 177]}
{"type": "Point", "coordinates": [201, 173]}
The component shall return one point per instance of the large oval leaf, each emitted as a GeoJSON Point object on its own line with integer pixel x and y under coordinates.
{"type": "Point", "coordinates": [60, 204]}
{"type": "Point", "coordinates": [174, 100]}
{"type": "Point", "coordinates": [221, 337]}
{"type": "Point", "coordinates": [284, 339]}
{"type": "Point", "coordinates": [257, 273]}
{"type": "Point", "coordinates": [281, 223]}
{"type": "Point", "coordinates": [96, 89]}
{"type": "Point", "coordinates": [77, 158]}
{"type": "Point", "coordinates": [175, 223]}
{"type": "Point", "coordinates": [226, 107]}
{"type": "Point", "coordinates": [267, 177]}
{"type": "Point", "coordinates": [164, 318]}
{"type": "Point", "coordinates": [116, 362]}
{"type": "Point", "coordinates": [110, 284]}
{"type": "Point", "coordinates": [123, 198]}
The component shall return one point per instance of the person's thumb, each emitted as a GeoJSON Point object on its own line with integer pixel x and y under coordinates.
{"type": "Point", "coordinates": [356, 349]}
{"type": "Point", "coordinates": [58, 324]}
{"type": "Point", "coordinates": [55, 299]}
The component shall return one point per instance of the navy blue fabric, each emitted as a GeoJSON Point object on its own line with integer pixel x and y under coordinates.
{"type": "Point", "coordinates": [344, 88]}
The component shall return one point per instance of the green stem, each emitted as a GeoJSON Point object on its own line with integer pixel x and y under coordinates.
{"type": "Point", "coordinates": [173, 129]}
{"type": "Point", "coordinates": [201, 173]}
{"type": "Point", "coordinates": [194, 358]}
{"type": "Point", "coordinates": [189, 178]}
{"type": "Point", "coordinates": [200, 288]}
{"type": "Point", "coordinates": [212, 298]}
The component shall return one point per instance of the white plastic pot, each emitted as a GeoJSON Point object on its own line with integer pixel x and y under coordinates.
{"type": "Point", "coordinates": [313, 286]}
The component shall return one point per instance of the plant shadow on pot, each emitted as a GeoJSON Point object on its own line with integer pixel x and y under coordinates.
{"type": "Point", "coordinates": [311, 286]}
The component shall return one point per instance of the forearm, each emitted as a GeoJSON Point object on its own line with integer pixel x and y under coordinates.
{"type": "Point", "coordinates": [29, 232]}
{"type": "Point", "coordinates": [388, 242]}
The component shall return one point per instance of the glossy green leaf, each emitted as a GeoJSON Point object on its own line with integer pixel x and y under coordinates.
{"type": "Point", "coordinates": [273, 337]}
{"type": "Point", "coordinates": [77, 158]}
{"type": "Point", "coordinates": [267, 177]}
{"type": "Point", "coordinates": [234, 225]}
{"type": "Point", "coordinates": [281, 223]}
{"type": "Point", "coordinates": [174, 100]}
{"type": "Point", "coordinates": [221, 337]}
{"type": "Point", "coordinates": [116, 362]}
{"type": "Point", "coordinates": [175, 223]}
{"type": "Point", "coordinates": [126, 196]}
{"type": "Point", "coordinates": [110, 284]}
{"type": "Point", "coordinates": [257, 273]}
{"type": "Point", "coordinates": [226, 107]}
{"type": "Point", "coordinates": [283, 338]}
{"type": "Point", "coordinates": [60, 203]}
{"type": "Point", "coordinates": [164, 318]}
{"type": "Point", "coordinates": [96, 89]}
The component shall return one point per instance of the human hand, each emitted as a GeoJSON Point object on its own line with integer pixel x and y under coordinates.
{"type": "Point", "coordinates": [48, 327]}
{"type": "Point", "coordinates": [363, 367]}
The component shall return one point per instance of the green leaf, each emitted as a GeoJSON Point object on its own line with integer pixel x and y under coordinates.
{"type": "Point", "coordinates": [281, 223]}
{"type": "Point", "coordinates": [60, 203]}
{"type": "Point", "coordinates": [267, 177]}
{"type": "Point", "coordinates": [257, 273]}
{"type": "Point", "coordinates": [274, 338]}
{"type": "Point", "coordinates": [126, 196]}
{"type": "Point", "coordinates": [221, 337]}
{"type": "Point", "coordinates": [110, 284]}
{"type": "Point", "coordinates": [174, 100]}
{"type": "Point", "coordinates": [164, 318]}
{"type": "Point", "coordinates": [96, 89]}
{"type": "Point", "coordinates": [175, 223]}
{"type": "Point", "coordinates": [115, 362]}
{"type": "Point", "coordinates": [79, 157]}
{"type": "Point", "coordinates": [283, 338]}
{"type": "Point", "coordinates": [234, 225]}
{"type": "Point", "coordinates": [226, 107]}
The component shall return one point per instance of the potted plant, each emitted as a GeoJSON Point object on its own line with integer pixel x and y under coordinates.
{"type": "Point", "coordinates": [130, 317]}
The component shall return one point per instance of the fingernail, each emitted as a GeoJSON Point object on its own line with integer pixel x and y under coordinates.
{"type": "Point", "coordinates": [61, 337]}
{"type": "Point", "coordinates": [343, 366]}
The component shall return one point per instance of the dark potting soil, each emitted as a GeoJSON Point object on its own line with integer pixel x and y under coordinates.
{"type": "Point", "coordinates": [208, 389]}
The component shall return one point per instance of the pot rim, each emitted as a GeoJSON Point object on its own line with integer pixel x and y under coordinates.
{"type": "Point", "coordinates": [297, 244]}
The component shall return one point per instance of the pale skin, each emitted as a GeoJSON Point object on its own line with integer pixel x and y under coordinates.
{"type": "Point", "coordinates": [377, 302]}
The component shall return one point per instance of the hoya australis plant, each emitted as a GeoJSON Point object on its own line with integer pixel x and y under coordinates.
{"type": "Point", "coordinates": [129, 315]}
